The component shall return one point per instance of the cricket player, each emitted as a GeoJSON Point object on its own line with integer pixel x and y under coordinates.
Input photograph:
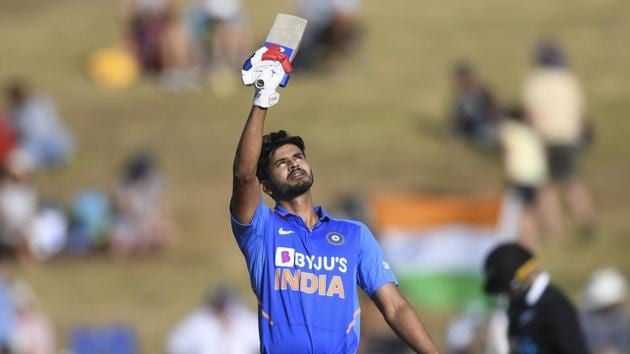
{"type": "Point", "coordinates": [304, 264]}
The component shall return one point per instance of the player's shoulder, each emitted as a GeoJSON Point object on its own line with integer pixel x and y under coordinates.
{"type": "Point", "coordinates": [555, 300]}
{"type": "Point", "coordinates": [351, 225]}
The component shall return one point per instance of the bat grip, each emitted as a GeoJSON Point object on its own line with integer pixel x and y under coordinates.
{"type": "Point", "coordinates": [285, 80]}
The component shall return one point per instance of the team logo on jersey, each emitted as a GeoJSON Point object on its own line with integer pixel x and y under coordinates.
{"type": "Point", "coordinates": [335, 238]}
{"type": "Point", "coordinates": [285, 257]}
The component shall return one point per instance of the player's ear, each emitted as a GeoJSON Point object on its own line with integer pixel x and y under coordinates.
{"type": "Point", "coordinates": [266, 187]}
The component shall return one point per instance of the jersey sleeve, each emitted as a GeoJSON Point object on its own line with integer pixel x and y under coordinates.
{"type": "Point", "coordinates": [247, 235]}
{"type": "Point", "coordinates": [373, 270]}
{"type": "Point", "coordinates": [249, 238]}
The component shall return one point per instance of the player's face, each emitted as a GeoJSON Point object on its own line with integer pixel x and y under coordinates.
{"type": "Point", "coordinates": [289, 173]}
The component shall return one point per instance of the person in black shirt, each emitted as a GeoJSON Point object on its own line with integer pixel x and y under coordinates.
{"type": "Point", "coordinates": [541, 318]}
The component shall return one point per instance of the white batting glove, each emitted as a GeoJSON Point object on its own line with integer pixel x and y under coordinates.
{"type": "Point", "coordinates": [266, 70]}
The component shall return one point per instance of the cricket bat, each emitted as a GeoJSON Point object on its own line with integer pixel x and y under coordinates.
{"type": "Point", "coordinates": [286, 33]}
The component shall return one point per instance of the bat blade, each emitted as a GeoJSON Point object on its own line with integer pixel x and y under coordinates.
{"type": "Point", "coordinates": [286, 32]}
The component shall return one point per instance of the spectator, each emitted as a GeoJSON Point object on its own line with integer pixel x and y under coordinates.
{"type": "Point", "coordinates": [33, 331]}
{"type": "Point", "coordinates": [48, 231]}
{"type": "Point", "coordinates": [7, 307]}
{"type": "Point", "coordinates": [145, 22]}
{"type": "Point", "coordinates": [157, 37]}
{"type": "Point", "coordinates": [8, 141]}
{"type": "Point", "coordinates": [222, 325]}
{"type": "Point", "coordinates": [606, 324]}
{"type": "Point", "coordinates": [143, 221]}
{"type": "Point", "coordinates": [220, 33]}
{"type": "Point", "coordinates": [90, 222]}
{"type": "Point", "coordinates": [526, 171]}
{"type": "Point", "coordinates": [553, 99]}
{"type": "Point", "coordinates": [474, 111]}
{"type": "Point", "coordinates": [18, 207]}
{"type": "Point", "coordinates": [333, 30]}
{"type": "Point", "coordinates": [540, 317]}
{"type": "Point", "coordinates": [43, 141]}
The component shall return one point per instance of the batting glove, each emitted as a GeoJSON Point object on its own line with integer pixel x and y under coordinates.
{"type": "Point", "coordinates": [266, 70]}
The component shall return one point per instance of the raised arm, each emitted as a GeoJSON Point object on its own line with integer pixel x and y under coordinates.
{"type": "Point", "coordinates": [264, 70]}
{"type": "Point", "coordinates": [245, 184]}
{"type": "Point", "coordinates": [402, 318]}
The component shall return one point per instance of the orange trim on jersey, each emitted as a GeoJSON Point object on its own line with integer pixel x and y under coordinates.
{"type": "Point", "coordinates": [354, 320]}
{"type": "Point", "coordinates": [266, 315]}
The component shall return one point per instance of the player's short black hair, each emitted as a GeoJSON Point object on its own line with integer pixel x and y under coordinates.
{"type": "Point", "coordinates": [271, 142]}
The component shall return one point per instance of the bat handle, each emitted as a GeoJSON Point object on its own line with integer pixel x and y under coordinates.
{"type": "Point", "coordinates": [285, 80]}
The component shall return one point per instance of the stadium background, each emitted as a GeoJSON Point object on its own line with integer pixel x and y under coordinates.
{"type": "Point", "coordinates": [375, 124]}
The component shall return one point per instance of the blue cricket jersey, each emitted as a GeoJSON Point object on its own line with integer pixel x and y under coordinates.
{"type": "Point", "coordinates": [306, 280]}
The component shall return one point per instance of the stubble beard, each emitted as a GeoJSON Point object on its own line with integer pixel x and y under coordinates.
{"type": "Point", "coordinates": [288, 191]}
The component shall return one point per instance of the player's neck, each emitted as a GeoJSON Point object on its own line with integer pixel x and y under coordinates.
{"type": "Point", "coordinates": [303, 207]}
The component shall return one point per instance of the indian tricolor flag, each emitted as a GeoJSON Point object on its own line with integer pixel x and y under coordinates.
{"type": "Point", "coordinates": [436, 244]}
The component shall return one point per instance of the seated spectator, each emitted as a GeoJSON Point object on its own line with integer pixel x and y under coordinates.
{"type": "Point", "coordinates": [7, 306]}
{"type": "Point", "coordinates": [90, 222]}
{"type": "Point", "coordinates": [18, 208]}
{"type": "Point", "coordinates": [221, 325]}
{"type": "Point", "coordinates": [474, 112]}
{"type": "Point", "coordinates": [8, 141]}
{"type": "Point", "coordinates": [48, 231]}
{"type": "Point", "coordinates": [43, 141]}
{"type": "Point", "coordinates": [158, 39]}
{"type": "Point", "coordinates": [606, 323]}
{"type": "Point", "coordinates": [143, 220]}
{"type": "Point", "coordinates": [219, 32]}
{"type": "Point", "coordinates": [145, 22]}
{"type": "Point", "coordinates": [332, 32]}
{"type": "Point", "coordinates": [33, 331]}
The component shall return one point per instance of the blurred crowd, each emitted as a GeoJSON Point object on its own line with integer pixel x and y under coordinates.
{"type": "Point", "coordinates": [187, 46]}
{"type": "Point", "coordinates": [540, 139]}
{"type": "Point", "coordinates": [134, 219]}
{"type": "Point", "coordinates": [24, 327]}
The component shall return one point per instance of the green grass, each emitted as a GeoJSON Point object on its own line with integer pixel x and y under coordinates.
{"type": "Point", "coordinates": [373, 124]}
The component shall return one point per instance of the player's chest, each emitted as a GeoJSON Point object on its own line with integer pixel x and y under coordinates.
{"type": "Point", "coordinates": [327, 248]}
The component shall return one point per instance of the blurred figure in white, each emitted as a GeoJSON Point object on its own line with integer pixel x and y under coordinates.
{"type": "Point", "coordinates": [333, 31]}
{"type": "Point", "coordinates": [554, 101]}
{"type": "Point", "coordinates": [221, 325]}
{"type": "Point", "coordinates": [221, 38]}
{"type": "Point", "coordinates": [525, 168]}
{"type": "Point", "coordinates": [18, 208]}
{"type": "Point", "coordinates": [48, 231]}
{"type": "Point", "coordinates": [143, 222]}
{"type": "Point", "coordinates": [464, 333]}
{"type": "Point", "coordinates": [605, 321]}
{"type": "Point", "coordinates": [496, 341]}
{"type": "Point", "coordinates": [43, 140]}
{"type": "Point", "coordinates": [33, 332]}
